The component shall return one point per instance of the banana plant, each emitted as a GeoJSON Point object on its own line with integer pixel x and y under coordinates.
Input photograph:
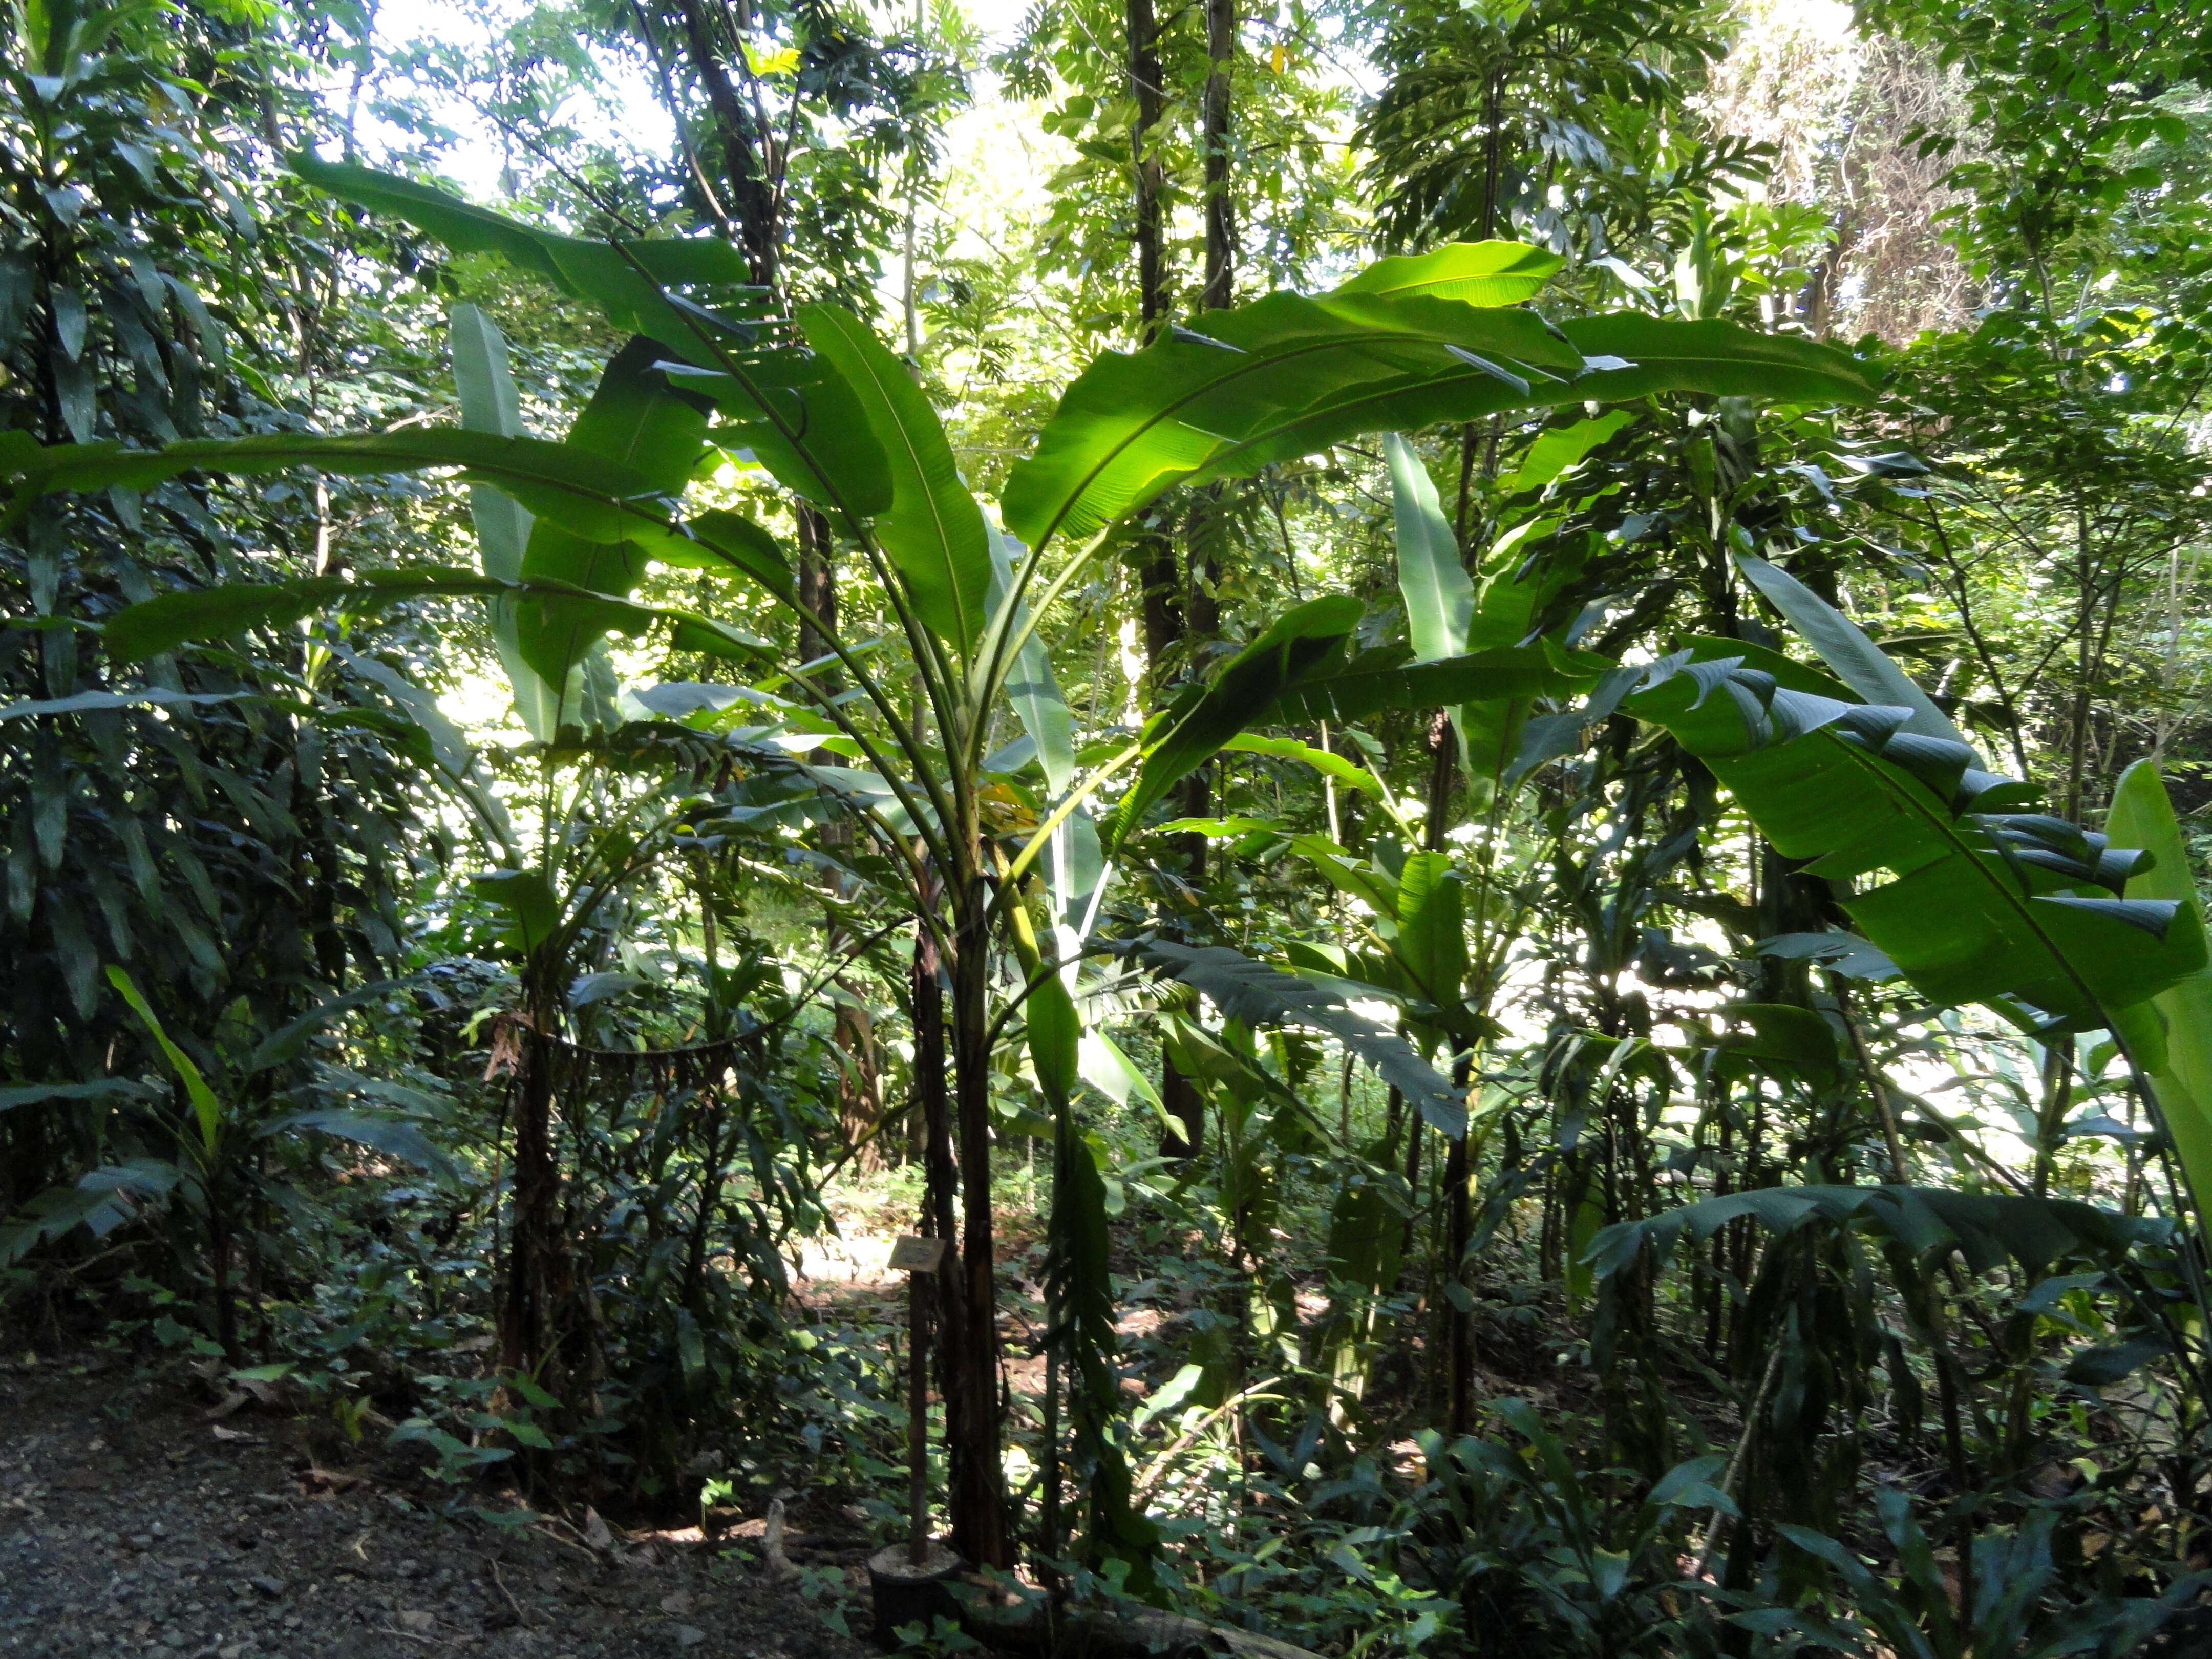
{"type": "Point", "coordinates": [1971, 898]}
{"type": "Point", "coordinates": [838, 420]}
{"type": "Point", "coordinates": [1974, 900]}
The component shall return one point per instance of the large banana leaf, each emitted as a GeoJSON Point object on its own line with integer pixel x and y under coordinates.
{"type": "Point", "coordinates": [1986, 1228]}
{"type": "Point", "coordinates": [792, 411]}
{"type": "Point", "coordinates": [625, 280]}
{"type": "Point", "coordinates": [1032, 687]}
{"type": "Point", "coordinates": [490, 403]}
{"type": "Point", "coordinates": [1182, 737]}
{"type": "Point", "coordinates": [2020, 911]}
{"type": "Point", "coordinates": [597, 499]}
{"type": "Point", "coordinates": [932, 531]}
{"type": "Point", "coordinates": [1376, 680]}
{"type": "Point", "coordinates": [1438, 593]}
{"type": "Point", "coordinates": [637, 421]}
{"type": "Point", "coordinates": [2142, 815]}
{"type": "Point", "coordinates": [1259, 995]}
{"type": "Point", "coordinates": [156, 625]}
{"type": "Point", "coordinates": [1856, 660]}
{"type": "Point", "coordinates": [1492, 273]}
{"type": "Point", "coordinates": [1431, 938]}
{"type": "Point", "coordinates": [1286, 376]}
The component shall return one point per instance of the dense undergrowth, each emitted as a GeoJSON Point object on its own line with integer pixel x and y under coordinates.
{"type": "Point", "coordinates": [1422, 772]}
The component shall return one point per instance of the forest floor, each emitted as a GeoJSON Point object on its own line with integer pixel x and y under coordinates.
{"type": "Point", "coordinates": [133, 1520]}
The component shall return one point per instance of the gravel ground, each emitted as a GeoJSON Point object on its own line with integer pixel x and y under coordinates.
{"type": "Point", "coordinates": [130, 1524]}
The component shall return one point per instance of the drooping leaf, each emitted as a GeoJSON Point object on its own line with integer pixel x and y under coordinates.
{"type": "Point", "coordinates": [624, 280]}
{"type": "Point", "coordinates": [1493, 273]}
{"type": "Point", "coordinates": [106, 1088]}
{"type": "Point", "coordinates": [1263, 996]}
{"type": "Point", "coordinates": [1184, 736]}
{"type": "Point", "coordinates": [1305, 373]}
{"type": "Point", "coordinates": [1383, 680]}
{"type": "Point", "coordinates": [207, 1107]}
{"type": "Point", "coordinates": [1560, 447]}
{"type": "Point", "coordinates": [1348, 773]}
{"type": "Point", "coordinates": [289, 1040]}
{"type": "Point", "coordinates": [593, 498]}
{"type": "Point", "coordinates": [393, 1135]}
{"type": "Point", "coordinates": [2142, 815]}
{"type": "Point", "coordinates": [1854, 658]}
{"type": "Point", "coordinates": [1985, 1229]}
{"type": "Point", "coordinates": [1031, 687]}
{"type": "Point", "coordinates": [490, 403]}
{"type": "Point", "coordinates": [1438, 593]}
{"type": "Point", "coordinates": [148, 696]}
{"type": "Point", "coordinates": [1943, 885]}
{"type": "Point", "coordinates": [1431, 939]}
{"type": "Point", "coordinates": [933, 532]}
{"type": "Point", "coordinates": [636, 421]}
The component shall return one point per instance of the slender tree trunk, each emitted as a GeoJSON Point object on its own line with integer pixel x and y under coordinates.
{"type": "Point", "coordinates": [979, 1506]}
{"type": "Point", "coordinates": [753, 194]}
{"type": "Point", "coordinates": [1220, 209]}
{"type": "Point", "coordinates": [219, 1270]}
{"type": "Point", "coordinates": [1152, 102]}
{"type": "Point", "coordinates": [1164, 582]}
{"type": "Point", "coordinates": [1459, 1215]}
{"type": "Point", "coordinates": [527, 1332]}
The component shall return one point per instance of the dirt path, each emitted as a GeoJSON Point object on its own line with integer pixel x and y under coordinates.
{"type": "Point", "coordinates": [131, 1524]}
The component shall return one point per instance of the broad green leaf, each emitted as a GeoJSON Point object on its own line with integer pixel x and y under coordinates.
{"type": "Point", "coordinates": [289, 1041]}
{"type": "Point", "coordinates": [109, 1088]}
{"type": "Point", "coordinates": [527, 901]}
{"type": "Point", "coordinates": [1259, 995]}
{"type": "Point", "coordinates": [154, 626]}
{"type": "Point", "coordinates": [1719, 359]}
{"type": "Point", "coordinates": [1182, 738]}
{"type": "Point", "coordinates": [1379, 680]}
{"type": "Point", "coordinates": [1853, 658]}
{"type": "Point", "coordinates": [795, 415]}
{"type": "Point", "coordinates": [1349, 773]}
{"type": "Point", "coordinates": [1031, 687]}
{"type": "Point", "coordinates": [1438, 593]}
{"type": "Point", "coordinates": [393, 1135]}
{"type": "Point", "coordinates": [1133, 424]}
{"type": "Point", "coordinates": [1558, 448]}
{"type": "Point", "coordinates": [148, 696]}
{"type": "Point", "coordinates": [205, 1106]}
{"type": "Point", "coordinates": [933, 532]}
{"type": "Point", "coordinates": [624, 280]}
{"type": "Point", "coordinates": [2015, 910]}
{"type": "Point", "coordinates": [1055, 1030]}
{"type": "Point", "coordinates": [1473, 273]}
{"type": "Point", "coordinates": [1983, 1228]}
{"type": "Point", "coordinates": [636, 421]}
{"type": "Point", "coordinates": [594, 498]}
{"type": "Point", "coordinates": [490, 403]}
{"type": "Point", "coordinates": [1431, 942]}
{"type": "Point", "coordinates": [1287, 376]}
{"type": "Point", "coordinates": [2142, 815]}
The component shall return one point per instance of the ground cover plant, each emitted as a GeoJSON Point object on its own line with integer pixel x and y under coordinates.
{"type": "Point", "coordinates": [1517, 881]}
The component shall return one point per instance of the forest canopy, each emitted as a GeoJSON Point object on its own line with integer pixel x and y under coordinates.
{"type": "Point", "coordinates": [1469, 739]}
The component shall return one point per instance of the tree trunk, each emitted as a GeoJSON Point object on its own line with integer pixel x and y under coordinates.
{"type": "Point", "coordinates": [1152, 102]}
{"type": "Point", "coordinates": [753, 193]}
{"type": "Point", "coordinates": [1220, 209]}
{"type": "Point", "coordinates": [979, 1507]}
{"type": "Point", "coordinates": [527, 1327]}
